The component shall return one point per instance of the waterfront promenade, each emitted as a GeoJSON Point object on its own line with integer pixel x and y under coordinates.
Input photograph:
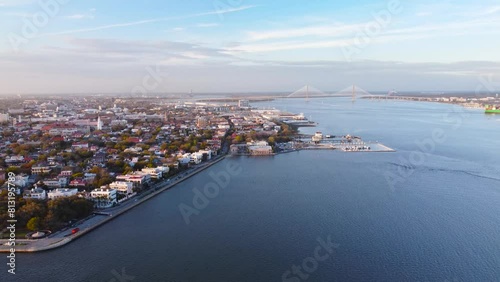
{"type": "Point", "coordinates": [64, 236]}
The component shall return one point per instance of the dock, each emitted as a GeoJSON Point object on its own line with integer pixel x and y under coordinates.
{"type": "Point", "coordinates": [344, 143]}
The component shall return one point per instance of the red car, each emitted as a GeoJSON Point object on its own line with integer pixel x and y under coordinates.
{"type": "Point", "coordinates": [75, 230]}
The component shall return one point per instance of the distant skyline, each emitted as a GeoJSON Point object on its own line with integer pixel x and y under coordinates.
{"type": "Point", "coordinates": [114, 46]}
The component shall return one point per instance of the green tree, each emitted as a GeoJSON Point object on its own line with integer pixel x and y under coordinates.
{"type": "Point", "coordinates": [33, 223]}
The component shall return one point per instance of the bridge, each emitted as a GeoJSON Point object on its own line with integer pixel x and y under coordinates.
{"type": "Point", "coordinates": [351, 91]}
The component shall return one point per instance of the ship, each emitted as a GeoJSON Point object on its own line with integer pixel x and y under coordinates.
{"type": "Point", "coordinates": [492, 110]}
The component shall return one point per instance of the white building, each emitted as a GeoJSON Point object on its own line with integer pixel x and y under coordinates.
{"type": "Point", "coordinates": [122, 187]}
{"type": "Point", "coordinates": [35, 193]}
{"type": "Point", "coordinates": [196, 158]}
{"type": "Point", "coordinates": [103, 198]}
{"type": "Point", "coordinates": [57, 182]}
{"type": "Point", "coordinates": [40, 169]}
{"type": "Point", "coordinates": [318, 136]}
{"type": "Point", "coordinates": [207, 152]}
{"type": "Point", "coordinates": [21, 180]}
{"type": "Point", "coordinates": [244, 104]}
{"type": "Point", "coordinates": [4, 118]}
{"type": "Point", "coordinates": [137, 178]}
{"type": "Point", "coordinates": [61, 192]}
{"type": "Point", "coordinates": [99, 123]}
{"type": "Point", "coordinates": [156, 173]}
{"type": "Point", "coordinates": [184, 159]}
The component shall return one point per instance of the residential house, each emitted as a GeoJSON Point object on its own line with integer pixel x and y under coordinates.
{"type": "Point", "coordinates": [40, 169]}
{"type": "Point", "coordinates": [35, 193]}
{"type": "Point", "coordinates": [103, 197]}
{"type": "Point", "coordinates": [61, 193]}
{"type": "Point", "coordinates": [122, 187]}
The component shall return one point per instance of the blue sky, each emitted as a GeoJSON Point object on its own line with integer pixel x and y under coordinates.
{"type": "Point", "coordinates": [240, 45]}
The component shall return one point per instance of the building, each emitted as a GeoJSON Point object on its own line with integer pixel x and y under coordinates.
{"type": "Point", "coordinates": [260, 150]}
{"type": "Point", "coordinates": [122, 187]}
{"type": "Point", "coordinates": [77, 146]}
{"type": "Point", "coordinates": [103, 197]}
{"type": "Point", "coordinates": [318, 136]}
{"type": "Point", "coordinates": [244, 104]}
{"type": "Point", "coordinates": [239, 149]}
{"type": "Point", "coordinates": [138, 179]}
{"type": "Point", "coordinates": [89, 177]}
{"type": "Point", "coordinates": [206, 153]}
{"type": "Point", "coordinates": [35, 193]}
{"type": "Point", "coordinates": [202, 122]}
{"type": "Point", "coordinates": [67, 173]}
{"type": "Point", "coordinates": [40, 169]}
{"type": "Point", "coordinates": [4, 118]}
{"type": "Point", "coordinates": [21, 180]}
{"type": "Point", "coordinates": [61, 193]}
{"type": "Point", "coordinates": [184, 159]}
{"type": "Point", "coordinates": [99, 123]}
{"type": "Point", "coordinates": [78, 182]}
{"type": "Point", "coordinates": [56, 182]}
{"type": "Point", "coordinates": [155, 173]}
{"type": "Point", "coordinates": [196, 158]}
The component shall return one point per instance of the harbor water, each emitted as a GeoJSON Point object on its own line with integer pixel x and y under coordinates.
{"type": "Point", "coordinates": [428, 212]}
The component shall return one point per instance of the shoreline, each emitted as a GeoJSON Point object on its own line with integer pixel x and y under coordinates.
{"type": "Point", "coordinates": [45, 244]}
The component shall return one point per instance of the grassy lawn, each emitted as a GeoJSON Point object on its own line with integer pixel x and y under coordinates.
{"type": "Point", "coordinates": [20, 233]}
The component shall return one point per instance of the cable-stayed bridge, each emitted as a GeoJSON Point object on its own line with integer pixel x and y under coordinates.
{"type": "Point", "coordinates": [312, 92]}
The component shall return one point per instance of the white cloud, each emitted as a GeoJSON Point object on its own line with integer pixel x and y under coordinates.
{"type": "Point", "coordinates": [89, 15]}
{"type": "Point", "coordinates": [177, 29]}
{"type": "Point", "coordinates": [329, 31]}
{"type": "Point", "coordinates": [423, 14]}
{"type": "Point", "coordinates": [491, 10]}
{"type": "Point", "coordinates": [322, 36]}
{"type": "Point", "coordinates": [7, 3]}
{"type": "Point", "coordinates": [207, 25]}
{"type": "Point", "coordinates": [141, 22]}
{"type": "Point", "coordinates": [79, 17]}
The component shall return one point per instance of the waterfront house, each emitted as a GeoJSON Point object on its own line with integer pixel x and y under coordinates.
{"type": "Point", "coordinates": [103, 197]}
{"type": "Point", "coordinates": [122, 187]}
{"type": "Point", "coordinates": [61, 193]}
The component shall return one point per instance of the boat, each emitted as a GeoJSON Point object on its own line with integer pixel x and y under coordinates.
{"type": "Point", "coordinates": [492, 110]}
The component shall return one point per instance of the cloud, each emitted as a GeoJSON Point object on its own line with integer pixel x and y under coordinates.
{"type": "Point", "coordinates": [8, 3]}
{"type": "Point", "coordinates": [141, 22]}
{"type": "Point", "coordinates": [207, 25]}
{"type": "Point", "coordinates": [89, 15]}
{"type": "Point", "coordinates": [80, 17]}
{"type": "Point", "coordinates": [177, 29]}
{"type": "Point", "coordinates": [16, 14]}
{"type": "Point", "coordinates": [329, 31]}
{"type": "Point", "coordinates": [107, 73]}
{"type": "Point", "coordinates": [423, 14]}
{"type": "Point", "coordinates": [491, 10]}
{"type": "Point", "coordinates": [322, 36]}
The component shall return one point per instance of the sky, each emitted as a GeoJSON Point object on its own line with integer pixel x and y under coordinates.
{"type": "Point", "coordinates": [152, 46]}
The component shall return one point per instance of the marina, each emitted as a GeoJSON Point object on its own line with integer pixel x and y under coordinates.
{"type": "Point", "coordinates": [345, 143]}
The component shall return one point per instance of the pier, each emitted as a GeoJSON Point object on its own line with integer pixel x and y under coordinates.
{"type": "Point", "coordinates": [345, 143]}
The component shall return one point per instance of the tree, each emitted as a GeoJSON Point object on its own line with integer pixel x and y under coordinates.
{"type": "Point", "coordinates": [32, 208]}
{"type": "Point", "coordinates": [239, 139]}
{"type": "Point", "coordinates": [163, 146]}
{"type": "Point", "coordinates": [33, 223]}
